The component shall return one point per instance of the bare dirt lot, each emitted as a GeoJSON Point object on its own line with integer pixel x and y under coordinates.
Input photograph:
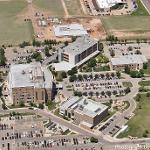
{"type": "Point", "coordinates": [94, 27]}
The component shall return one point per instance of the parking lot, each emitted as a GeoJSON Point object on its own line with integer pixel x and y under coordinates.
{"type": "Point", "coordinates": [99, 85]}
{"type": "Point", "coordinates": [130, 49]}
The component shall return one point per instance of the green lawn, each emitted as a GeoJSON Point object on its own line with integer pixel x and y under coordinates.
{"type": "Point", "coordinates": [141, 11]}
{"type": "Point", "coordinates": [74, 7]}
{"type": "Point", "coordinates": [127, 84]}
{"type": "Point", "coordinates": [144, 83]}
{"type": "Point", "coordinates": [140, 122]}
{"type": "Point", "coordinates": [54, 7]}
{"type": "Point", "coordinates": [127, 24]}
{"type": "Point", "coordinates": [13, 30]}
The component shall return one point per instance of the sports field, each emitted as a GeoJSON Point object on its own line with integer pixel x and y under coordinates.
{"type": "Point", "coordinates": [53, 7]}
{"type": "Point", "coordinates": [13, 29]}
{"type": "Point", "coordinates": [127, 26]}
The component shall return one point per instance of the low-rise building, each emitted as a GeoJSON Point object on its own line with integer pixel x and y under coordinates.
{"type": "Point", "coordinates": [30, 83]}
{"type": "Point", "coordinates": [77, 53]}
{"type": "Point", "coordinates": [69, 30]}
{"type": "Point", "coordinates": [134, 62]}
{"type": "Point", "coordinates": [83, 111]}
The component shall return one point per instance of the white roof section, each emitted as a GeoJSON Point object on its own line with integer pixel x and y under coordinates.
{"type": "Point", "coordinates": [80, 45]}
{"type": "Point", "coordinates": [107, 3]}
{"type": "Point", "coordinates": [84, 106]}
{"type": "Point", "coordinates": [30, 75]}
{"type": "Point", "coordinates": [69, 103]}
{"type": "Point", "coordinates": [69, 30]}
{"type": "Point", "coordinates": [90, 107]}
{"type": "Point", "coordinates": [129, 59]}
{"type": "Point", "coordinates": [63, 66]}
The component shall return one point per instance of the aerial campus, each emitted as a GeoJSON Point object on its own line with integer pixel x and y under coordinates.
{"type": "Point", "coordinates": [74, 75]}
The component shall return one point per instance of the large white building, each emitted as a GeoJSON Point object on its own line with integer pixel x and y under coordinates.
{"type": "Point", "coordinates": [77, 53]}
{"type": "Point", "coordinates": [106, 4]}
{"type": "Point", "coordinates": [69, 30]}
{"type": "Point", "coordinates": [30, 83]}
{"type": "Point", "coordinates": [83, 111]}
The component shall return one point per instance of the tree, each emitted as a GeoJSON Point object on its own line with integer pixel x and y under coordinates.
{"type": "Point", "coordinates": [36, 43]}
{"type": "Point", "coordinates": [66, 43]}
{"type": "Point", "coordinates": [24, 44]}
{"type": "Point", "coordinates": [145, 65]}
{"type": "Point", "coordinates": [92, 62]}
{"type": "Point", "coordinates": [64, 74]}
{"type": "Point", "coordinates": [91, 93]}
{"type": "Point", "coordinates": [118, 74]}
{"type": "Point", "coordinates": [2, 57]}
{"type": "Point", "coordinates": [46, 51]}
{"type": "Point", "coordinates": [112, 53]}
{"type": "Point", "coordinates": [85, 76]}
{"type": "Point", "coordinates": [101, 46]}
{"type": "Point", "coordinates": [37, 56]}
{"type": "Point", "coordinates": [130, 48]}
{"type": "Point", "coordinates": [97, 94]}
{"type": "Point", "coordinates": [127, 90]}
{"type": "Point", "coordinates": [41, 106]}
{"type": "Point", "coordinates": [107, 75]}
{"type": "Point", "coordinates": [115, 92]}
{"type": "Point", "coordinates": [21, 103]}
{"type": "Point", "coordinates": [93, 140]}
{"type": "Point", "coordinates": [80, 77]}
{"type": "Point", "coordinates": [72, 71]}
{"type": "Point", "coordinates": [138, 52]}
{"type": "Point", "coordinates": [76, 93]}
{"type": "Point", "coordinates": [108, 93]}
{"type": "Point", "coordinates": [148, 94]}
{"type": "Point", "coordinates": [74, 38]}
{"type": "Point", "coordinates": [127, 69]}
{"type": "Point", "coordinates": [102, 93]}
{"type": "Point", "coordinates": [138, 97]}
{"type": "Point", "coordinates": [73, 78]}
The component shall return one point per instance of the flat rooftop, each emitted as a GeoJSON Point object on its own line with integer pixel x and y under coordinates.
{"type": "Point", "coordinates": [80, 45]}
{"type": "Point", "coordinates": [69, 30]}
{"type": "Point", "coordinates": [129, 59]}
{"type": "Point", "coordinates": [107, 3]}
{"type": "Point", "coordinates": [30, 75]}
{"type": "Point", "coordinates": [84, 106]}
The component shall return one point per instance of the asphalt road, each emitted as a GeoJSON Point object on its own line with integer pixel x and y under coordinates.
{"type": "Point", "coordinates": [146, 4]}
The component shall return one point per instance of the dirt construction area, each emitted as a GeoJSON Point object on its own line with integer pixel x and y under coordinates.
{"type": "Point", "coordinates": [93, 26]}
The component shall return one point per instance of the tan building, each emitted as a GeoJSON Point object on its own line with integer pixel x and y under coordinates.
{"type": "Point", "coordinates": [30, 83]}
{"type": "Point", "coordinates": [77, 53]}
{"type": "Point", "coordinates": [85, 112]}
{"type": "Point", "coordinates": [134, 62]}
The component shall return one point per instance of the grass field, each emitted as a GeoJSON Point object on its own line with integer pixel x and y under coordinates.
{"type": "Point", "coordinates": [141, 11]}
{"type": "Point", "coordinates": [137, 25]}
{"type": "Point", "coordinates": [13, 30]}
{"type": "Point", "coordinates": [74, 7]}
{"type": "Point", "coordinates": [54, 7]}
{"type": "Point", "coordinates": [144, 83]}
{"type": "Point", "coordinates": [140, 123]}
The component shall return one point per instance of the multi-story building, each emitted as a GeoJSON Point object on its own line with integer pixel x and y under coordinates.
{"type": "Point", "coordinates": [134, 62]}
{"type": "Point", "coordinates": [77, 53]}
{"type": "Point", "coordinates": [30, 83]}
{"type": "Point", "coordinates": [85, 112]}
{"type": "Point", "coordinates": [106, 5]}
